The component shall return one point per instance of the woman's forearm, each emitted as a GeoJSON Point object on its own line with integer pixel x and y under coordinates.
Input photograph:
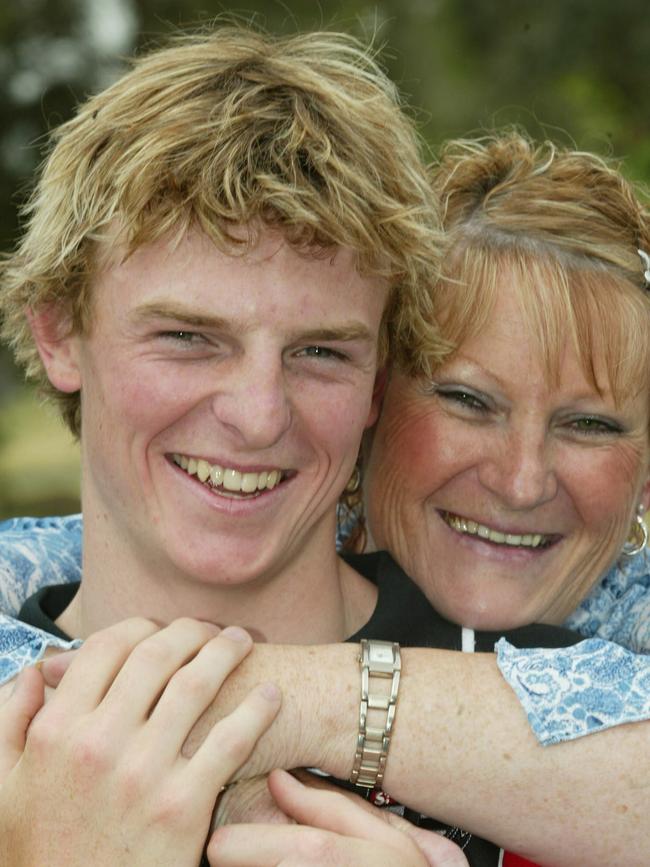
{"type": "Point", "coordinates": [462, 751]}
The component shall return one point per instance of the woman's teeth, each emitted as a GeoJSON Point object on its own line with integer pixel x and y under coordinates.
{"type": "Point", "coordinates": [226, 478]}
{"type": "Point", "coordinates": [463, 525]}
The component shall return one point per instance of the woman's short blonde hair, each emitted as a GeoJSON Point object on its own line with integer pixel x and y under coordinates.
{"type": "Point", "coordinates": [224, 129]}
{"type": "Point", "coordinates": [566, 227]}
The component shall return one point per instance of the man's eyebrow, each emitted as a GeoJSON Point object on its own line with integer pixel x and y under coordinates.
{"type": "Point", "coordinates": [346, 332]}
{"type": "Point", "coordinates": [178, 313]}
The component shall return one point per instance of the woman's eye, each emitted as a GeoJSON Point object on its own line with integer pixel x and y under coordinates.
{"type": "Point", "coordinates": [462, 397]}
{"type": "Point", "coordinates": [593, 425]}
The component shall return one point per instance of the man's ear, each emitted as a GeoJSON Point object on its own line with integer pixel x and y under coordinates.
{"type": "Point", "coordinates": [57, 346]}
{"type": "Point", "coordinates": [381, 381]}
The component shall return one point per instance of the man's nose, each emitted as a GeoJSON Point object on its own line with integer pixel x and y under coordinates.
{"type": "Point", "coordinates": [253, 403]}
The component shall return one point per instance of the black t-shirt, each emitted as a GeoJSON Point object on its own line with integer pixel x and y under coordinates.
{"type": "Point", "coordinates": [402, 614]}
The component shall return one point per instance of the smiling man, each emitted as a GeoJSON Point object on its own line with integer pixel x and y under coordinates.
{"type": "Point", "coordinates": [218, 249]}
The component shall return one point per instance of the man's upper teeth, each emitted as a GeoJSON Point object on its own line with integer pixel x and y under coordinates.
{"type": "Point", "coordinates": [463, 525]}
{"type": "Point", "coordinates": [227, 478]}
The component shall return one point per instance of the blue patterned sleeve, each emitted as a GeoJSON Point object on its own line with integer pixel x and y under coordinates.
{"type": "Point", "coordinates": [22, 645]}
{"type": "Point", "coordinates": [34, 552]}
{"type": "Point", "coordinates": [598, 683]}
{"type": "Point", "coordinates": [578, 690]}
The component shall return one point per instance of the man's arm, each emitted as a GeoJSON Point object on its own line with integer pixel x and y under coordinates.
{"type": "Point", "coordinates": [462, 751]}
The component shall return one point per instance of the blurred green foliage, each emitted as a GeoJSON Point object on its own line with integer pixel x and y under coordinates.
{"type": "Point", "coordinates": [578, 70]}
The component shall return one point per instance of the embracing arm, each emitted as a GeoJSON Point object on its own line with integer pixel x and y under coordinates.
{"type": "Point", "coordinates": [462, 751]}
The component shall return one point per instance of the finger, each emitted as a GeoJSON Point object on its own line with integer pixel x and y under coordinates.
{"type": "Point", "coordinates": [338, 812]}
{"type": "Point", "coordinates": [231, 741]}
{"type": "Point", "coordinates": [248, 801]}
{"type": "Point", "coordinates": [328, 809]}
{"type": "Point", "coordinates": [150, 665]}
{"type": "Point", "coordinates": [195, 685]}
{"type": "Point", "coordinates": [94, 667]}
{"type": "Point", "coordinates": [54, 667]}
{"type": "Point", "coordinates": [437, 850]}
{"type": "Point", "coordinates": [16, 714]}
{"type": "Point", "coordinates": [298, 846]}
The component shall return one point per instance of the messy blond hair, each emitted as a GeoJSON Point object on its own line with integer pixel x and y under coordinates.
{"type": "Point", "coordinates": [566, 227]}
{"type": "Point", "coordinates": [223, 129]}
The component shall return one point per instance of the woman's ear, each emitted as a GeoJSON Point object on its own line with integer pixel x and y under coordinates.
{"type": "Point", "coordinates": [645, 495]}
{"type": "Point", "coordinates": [381, 380]}
{"type": "Point", "coordinates": [57, 346]}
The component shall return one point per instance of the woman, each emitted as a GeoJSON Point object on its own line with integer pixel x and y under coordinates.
{"type": "Point", "coordinates": [514, 477]}
{"type": "Point", "coordinates": [510, 482]}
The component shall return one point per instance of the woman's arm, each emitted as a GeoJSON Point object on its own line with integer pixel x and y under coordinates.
{"type": "Point", "coordinates": [462, 751]}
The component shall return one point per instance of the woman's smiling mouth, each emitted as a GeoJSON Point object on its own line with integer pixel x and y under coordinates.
{"type": "Point", "coordinates": [227, 480]}
{"type": "Point", "coordinates": [515, 540]}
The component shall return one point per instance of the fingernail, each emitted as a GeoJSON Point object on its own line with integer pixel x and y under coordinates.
{"type": "Point", "coordinates": [236, 633]}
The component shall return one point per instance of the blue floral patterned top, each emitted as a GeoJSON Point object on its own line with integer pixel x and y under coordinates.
{"type": "Point", "coordinates": [566, 693]}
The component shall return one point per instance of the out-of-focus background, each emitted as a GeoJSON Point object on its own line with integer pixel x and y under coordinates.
{"type": "Point", "coordinates": [574, 69]}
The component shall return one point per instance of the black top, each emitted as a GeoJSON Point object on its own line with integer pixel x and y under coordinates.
{"type": "Point", "coordinates": [402, 614]}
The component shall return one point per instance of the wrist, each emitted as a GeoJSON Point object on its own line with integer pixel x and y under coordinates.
{"type": "Point", "coordinates": [318, 722]}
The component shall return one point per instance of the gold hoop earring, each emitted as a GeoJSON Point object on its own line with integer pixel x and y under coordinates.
{"type": "Point", "coordinates": [638, 538]}
{"type": "Point", "coordinates": [354, 482]}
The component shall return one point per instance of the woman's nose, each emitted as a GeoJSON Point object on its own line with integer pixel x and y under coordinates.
{"type": "Point", "coordinates": [519, 470]}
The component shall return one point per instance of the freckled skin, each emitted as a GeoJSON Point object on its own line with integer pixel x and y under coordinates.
{"type": "Point", "coordinates": [525, 462]}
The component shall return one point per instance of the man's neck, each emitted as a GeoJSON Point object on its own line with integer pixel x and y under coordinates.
{"type": "Point", "coordinates": [316, 598]}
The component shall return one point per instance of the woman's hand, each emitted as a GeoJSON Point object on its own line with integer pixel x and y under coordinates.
{"type": "Point", "coordinates": [102, 778]}
{"type": "Point", "coordinates": [334, 830]}
{"type": "Point", "coordinates": [16, 713]}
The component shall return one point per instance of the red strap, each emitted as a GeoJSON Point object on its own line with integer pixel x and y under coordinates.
{"type": "Point", "coordinates": [511, 860]}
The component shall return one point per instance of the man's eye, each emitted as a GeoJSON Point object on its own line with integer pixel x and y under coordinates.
{"type": "Point", "coordinates": [185, 337]}
{"type": "Point", "coordinates": [324, 352]}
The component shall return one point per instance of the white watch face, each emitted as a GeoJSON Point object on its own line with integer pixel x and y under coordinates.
{"type": "Point", "coordinates": [381, 653]}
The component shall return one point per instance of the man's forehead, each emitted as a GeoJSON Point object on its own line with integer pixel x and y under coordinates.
{"type": "Point", "coordinates": [255, 245]}
{"type": "Point", "coordinates": [187, 278]}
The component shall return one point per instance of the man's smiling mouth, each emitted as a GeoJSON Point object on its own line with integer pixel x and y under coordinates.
{"type": "Point", "coordinates": [229, 481]}
{"type": "Point", "coordinates": [515, 540]}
